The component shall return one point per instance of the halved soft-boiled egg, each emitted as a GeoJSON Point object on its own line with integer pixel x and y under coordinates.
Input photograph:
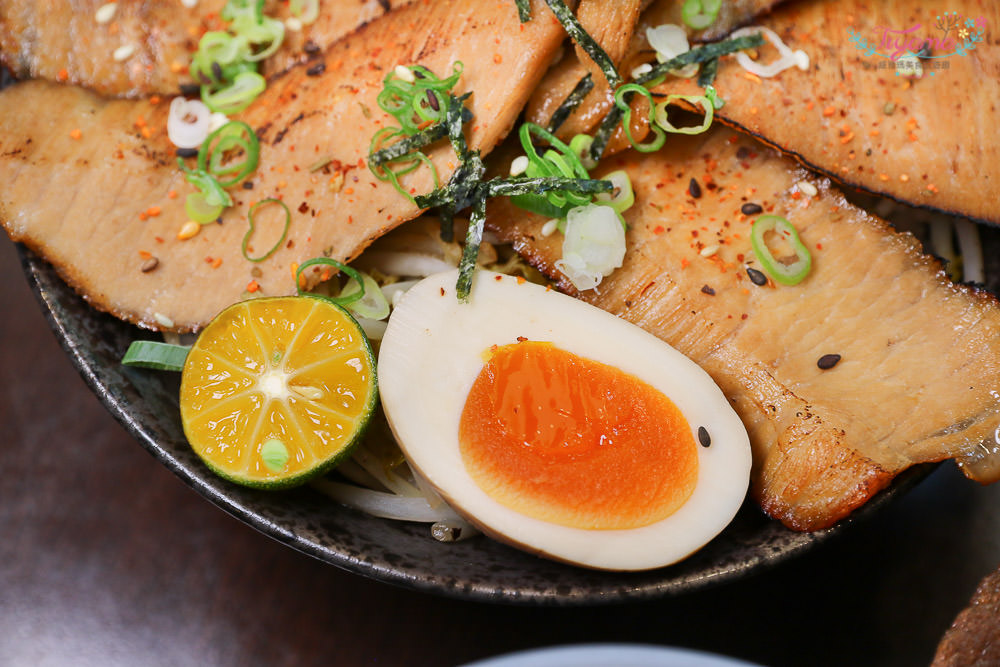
{"type": "Point", "coordinates": [558, 427]}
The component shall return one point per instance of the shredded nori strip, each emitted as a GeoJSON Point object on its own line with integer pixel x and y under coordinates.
{"type": "Point", "coordinates": [585, 41]}
{"type": "Point", "coordinates": [606, 129]}
{"type": "Point", "coordinates": [701, 54]}
{"type": "Point", "coordinates": [708, 71]}
{"type": "Point", "coordinates": [473, 238]}
{"type": "Point", "coordinates": [417, 141]}
{"type": "Point", "coordinates": [509, 187]}
{"type": "Point", "coordinates": [523, 10]}
{"type": "Point", "coordinates": [572, 101]}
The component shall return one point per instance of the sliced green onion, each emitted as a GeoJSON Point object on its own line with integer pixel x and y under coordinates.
{"type": "Point", "coordinates": [200, 210]}
{"type": "Point", "coordinates": [701, 100]}
{"type": "Point", "coordinates": [213, 193]}
{"type": "Point", "coordinates": [709, 70]}
{"type": "Point", "coordinates": [658, 135]}
{"type": "Point", "coordinates": [699, 14]}
{"type": "Point", "coordinates": [250, 231]}
{"type": "Point", "coordinates": [572, 101]}
{"type": "Point", "coordinates": [233, 135]}
{"type": "Point", "coordinates": [414, 103]}
{"type": "Point", "coordinates": [713, 97]}
{"type": "Point", "coordinates": [701, 54]}
{"type": "Point", "coordinates": [604, 133]}
{"type": "Point", "coordinates": [156, 355]}
{"type": "Point", "coordinates": [559, 161]}
{"type": "Point", "coordinates": [343, 300]}
{"type": "Point", "coordinates": [244, 89]}
{"type": "Point", "coordinates": [621, 196]}
{"type": "Point", "coordinates": [372, 303]}
{"type": "Point", "coordinates": [577, 33]}
{"type": "Point", "coordinates": [470, 254]}
{"type": "Point", "coordinates": [785, 272]}
{"type": "Point", "coordinates": [306, 11]}
{"type": "Point", "coordinates": [581, 145]}
{"type": "Point", "coordinates": [268, 32]}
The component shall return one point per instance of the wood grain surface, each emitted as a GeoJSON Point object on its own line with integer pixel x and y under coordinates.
{"type": "Point", "coordinates": [107, 559]}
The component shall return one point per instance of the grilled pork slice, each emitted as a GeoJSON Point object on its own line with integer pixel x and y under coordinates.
{"type": "Point", "coordinates": [929, 141]}
{"type": "Point", "coordinates": [87, 190]}
{"type": "Point", "coordinates": [564, 76]}
{"type": "Point", "coordinates": [918, 357]}
{"type": "Point", "coordinates": [63, 40]}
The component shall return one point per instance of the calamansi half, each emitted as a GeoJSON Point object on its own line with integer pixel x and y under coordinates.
{"type": "Point", "coordinates": [277, 390]}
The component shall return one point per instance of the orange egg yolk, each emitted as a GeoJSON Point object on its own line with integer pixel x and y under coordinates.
{"type": "Point", "coordinates": [574, 442]}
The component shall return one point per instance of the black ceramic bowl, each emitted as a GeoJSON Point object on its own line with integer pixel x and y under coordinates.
{"type": "Point", "coordinates": [395, 552]}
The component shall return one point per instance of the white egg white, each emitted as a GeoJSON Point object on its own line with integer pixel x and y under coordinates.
{"type": "Point", "coordinates": [432, 353]}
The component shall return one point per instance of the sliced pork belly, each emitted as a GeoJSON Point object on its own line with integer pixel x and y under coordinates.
{"type": "Point", "coordinates": [564, 76]}
{"type": "Point", "coordinates": [87, 190]}
{"type": "Point", "coordinates": [63, 40]}
{"type": "Point", "coordinates": [919, 356]}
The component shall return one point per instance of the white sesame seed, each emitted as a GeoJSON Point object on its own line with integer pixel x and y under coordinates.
{"type": "Point", "coordinates": [807, 188]}
{"type": "Point", "coordinates": [641, 69]}
{"type": "Point", "coordinates": [550, 227]}
{"type": "Point", "coordinates": [124, 52]}
{"type": "Point", "coordinates": [405, 73]}
{"type": "Point", "coordinates": [293, 24]}
{"type": "Point", "coordinates": [163, 320]}
{"type": "Point", "coordinates": [189, 3]}
{"type": "Point", "coordinates": [188, 230]}
{"type": "Point", "coordinates": [519, 165]}
{"type": "Point", "coordinates": [708, 251]}
{"type": "Point", "coordinates": [106, 12]}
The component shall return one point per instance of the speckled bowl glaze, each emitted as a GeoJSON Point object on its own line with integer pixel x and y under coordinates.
{"type": "Point", "coordinates": [404, 554]}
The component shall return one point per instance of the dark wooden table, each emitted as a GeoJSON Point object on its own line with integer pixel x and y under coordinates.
{"type": "Point", "coordinates": [106, 558]}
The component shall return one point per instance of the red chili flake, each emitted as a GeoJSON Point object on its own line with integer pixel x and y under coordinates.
{"type": "Point", "coordinates": [658, 229]}
{"type": "Point", "coordinates": [253, 286]}
{"type": "Point", "coordinates": [498, 278]}
{"type": "Point", "coordinates": [442, 291]}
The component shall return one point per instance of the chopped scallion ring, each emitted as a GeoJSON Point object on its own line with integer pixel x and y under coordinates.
{"type": "Point", "coordinates": [622, 103]}
{"type": "Point", "coordinates": [244, 89]}
{"type": "Point", "coordinates": [199, 210]}
{"type": "Point", "coordinates": [233, 135]}
{"type": "Point", "coordinates": [621, 196]}
{"type": "Point", "coordinates": [250, 231]}
{"type": "Point", "coordinates": [343, 300]}
{"type": "Point", "coordinates": [373, 304]}
{"type": "Point", "coordinates": [699, 14]}
{"type": "Point", "coordinates": [786, 273]}
{"type": "Point", "coordinates": [699, 100]}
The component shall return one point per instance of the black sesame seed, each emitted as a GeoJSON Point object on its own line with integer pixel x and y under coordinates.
{"type": "Point", "coordinates": [311, 47]}
{"type": "Point", "coordinates": [248, 185]}
{"type": "Point", "coordinates": [433, 101]}
{"type": "Point", "coordinates": [751, 209]}
{"type": "Point", "coordinates": [703, 437]}
{"type": "Point", "coordinates": [694, 189]}
{"type": "Point", "coordinates": [190, 89]}
{"type": "Point", "coordinates": [708, 290]}
{"type": "Point", "coordinates": [828, 361]}
{"type": "Point", "coordinates": [742, 153]}
{"type": "Point", "coordinates": [217, 70]}
{"type": "Point", "coordinates": [756, 277]}
{"type": "Point", "coordinates": [187, 152]}
{"type": "Point", "coordinates": [316, 69]}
